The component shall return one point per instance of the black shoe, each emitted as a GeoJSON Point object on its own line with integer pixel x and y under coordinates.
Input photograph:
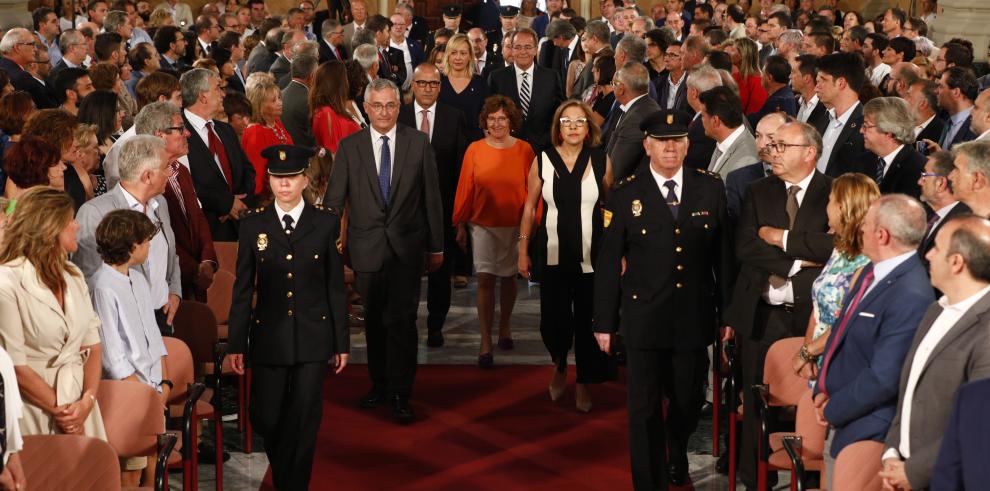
{"type": "Point", "coordinates": [401, 411]}
{"type": "Point", "coordinates": [434, 339]}
{"type": "Point", "coordinates": [677, 474]}
{"type": "Point", "coordinates": [208, 454]}
{"type": "Point", "coordinates": [372, 399]}
{"type": "Point", "coordinates": [707, 410]}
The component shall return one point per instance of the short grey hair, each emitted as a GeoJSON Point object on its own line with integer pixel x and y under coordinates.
{"type": "Point", "coordinates": [404, 7]}
{"type": "Point", "coordinates": [156, 116]}
{"type": "Point", "coordinates": [978, 154]}
{"type": "Point", "coordinates": [598, 29]}
{"type": "Point", "coordinates": [363, 36]}
{"type": "Point", "coordinates": [380, 84]}
{"type": "Point", "coordinates": [366, 55]}
{"type": "Point", "coordinates": [635, 77]}
{"type": "Point", "coordinates": [648, 24]}
{"type": "Point", "coordinates": [14, 36]}
{"type": "Point", "coordinates": [892, 115]}
{"type": "Point", "coordinates": [634, 48]}
{"type": "Point", "coordinates": [328, 27]}
{"type": "Point", "coordinates": [307, 48]}
{"type": "Point", "coordinates": [559, 28]}
{"type": "Point", "coordinates": [68, 38]}
{"type": "Point", "coordinates": [303, 65]}
{"type": "Point", "coordinates": [903, 217]}
{"type": "Point", "coordinates": [703, 78]}
{"type": "Point", "coordinates": [113, 20]}
{"type": "Point", "coordinates": [809, 135]}
{"type": "Point", "coordinates": [195, 82]}
{"type": "Point", "coordinates": [791, 37]}
{"type": "Point", "coordinates": [138, 154]}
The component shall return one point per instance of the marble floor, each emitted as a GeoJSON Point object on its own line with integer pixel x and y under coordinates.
{"type": "Point", "coordinates": [461, 332]}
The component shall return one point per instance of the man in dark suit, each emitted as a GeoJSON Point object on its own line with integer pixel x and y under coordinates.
{"type": "Point", "coordinates": [738, 181]}
{"type": "Point", "coordinates": [419, 30]}
{"type": "Point", "coordinates": [264, 54]}
{"type": "Point", "coordinates": [410, 51]}
{"type": "Point", "coordinates": [679, 273]}
{"type": "Point", "coordinates": [951, 347]}
{"type": "Point", "coordinates": [970, 167]}
{"type": "Point", "coordinates": [332, 41]}
{"type": "Point", "coordinates": [222, 173]}
{"type": "Point", "coordinates": [888, 131]}
{"type": "Point", "coordinates": [922, 96]}
{"type": "Point", "coordinates": [446, 128]}
{"type": "Point", "coordinates": [596, 38]}
{"type": "Point", "coordinates": [391, 64]}
{"type": "Point", "coordinates": [957, 89]}
{"type": "Point", "coordinates": [562, 46]}
{"type": "Point", "coordinates": [938, 194]}
{"type": "Point", "coordinates": [804, 72]}
{"type": "Point", "coordinates": [171, 46]}
{"type": "Point", "coordinates": [856, 389]}
{"type": "Point", "coordinates": [288, 260]}
{"type": "Point", "coordinates": [702, 146]}
{"type": "Point", "coordinates": [962, 461]}
{"type": "Point", "coordinates": [14, 61]}
{"type": "Point", "coordinates": [537, 91]}
{"type": "Point", "coordinates": [295, 100]}
{"type": "Point", "coordinates": [625, 143]}
{"type": "Point", "coordinates": [776, 75]}
{"type": "Point", "coordinates": [486, 61]}
{"type": "Point", "coordinates": [283, 59]}
{"type": "Point", "coordinates": [388, 175]}
{"type": "Point", "coordinates": [674, 83]}
{"type": "Point", "coordinates": [74, 51]}
{"type": "Point", "coordinates": [840, 80]}
{"type": "Point", "coordinates": [782, 240]}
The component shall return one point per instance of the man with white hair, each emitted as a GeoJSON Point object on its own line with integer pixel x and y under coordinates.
{"type": "Point", "coordinates": [970, 177]}
{"type": "Point", "coordinates": [18, 49]}
{"type": "Point", "coordinates": [701, 146]}
{"type": "Point", "coordinates": [888, 133]}
{"type": "Point", "coordinates": [144, 174]}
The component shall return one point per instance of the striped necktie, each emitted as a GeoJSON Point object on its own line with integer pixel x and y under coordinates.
{"type": "Point", "coordinates": [524, 94]}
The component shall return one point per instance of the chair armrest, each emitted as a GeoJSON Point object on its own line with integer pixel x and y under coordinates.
{"type": "Point", "coordinates": [793, 447]}
{"type": "Point", "coordinates": [730, 356]}
{"type": "Point", "coordinates": [760, 395]}
{"type": "Point", "coordinates": [166, 443]}
{"type": "Point", "coordinates": [196, 390]}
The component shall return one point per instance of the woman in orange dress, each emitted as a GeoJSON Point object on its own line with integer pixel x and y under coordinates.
{"type": "Point", "coordinates": [332, 112]}
{"type": "Point", "coordinates": [490, 196]}
{"type": "Point", "coordinates": [265, 130]}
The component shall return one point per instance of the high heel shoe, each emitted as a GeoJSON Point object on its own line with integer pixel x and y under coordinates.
{"type": "Point", "coordinates": [582, 398]}
{"type": "Point", "coordinates": [486, 360]}
{"type": "Point", "coordinates": [558, 384]}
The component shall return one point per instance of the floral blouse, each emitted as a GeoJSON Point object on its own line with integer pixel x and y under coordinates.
{"type": "Point", "coordinates": [829, 289]}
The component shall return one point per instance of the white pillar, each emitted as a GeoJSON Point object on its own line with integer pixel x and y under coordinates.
{"type": "Point", "coordinates": [585, 9]}
{"type": "Point", "coordinates": [14, 13]}
{"type": "Point", "coordinates": [967, 19]}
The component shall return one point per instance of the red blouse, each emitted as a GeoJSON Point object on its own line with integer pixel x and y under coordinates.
{"type": "Point", "coordinates": [258, 137]}
{"type": "Point", "coordinates": [751, 92]}
{"type": "Point", "coordinates": [329, 128]}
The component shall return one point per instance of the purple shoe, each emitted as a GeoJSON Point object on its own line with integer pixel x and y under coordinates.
{"type": "Point", "coordinates": [486, 360]}
{"type": "Point", "coordinates": [506, 344]}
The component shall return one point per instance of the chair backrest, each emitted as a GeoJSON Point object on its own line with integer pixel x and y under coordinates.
{"type": "Point", "coordinates": [195, 325]}
{"type": "Point", "coordinates": [786, 387]}
{"type": "Point", "coordinates": [133, 415]}
{"type": "Point", "coordinates": [218, 297]}
{"type": "Point", "coordinates": [806, 426]}
{"type": "Point", "coordinates": [76, 462]}
{"type": "Point", "coordinates": [226, 255]}
{"type": "Point", "coordinates": [180, 368]}
{"type": "Point", "coordinates": [857, 467]}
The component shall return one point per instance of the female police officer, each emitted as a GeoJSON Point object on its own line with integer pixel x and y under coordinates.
{"type": "Point", "coordinates": [287, 256]}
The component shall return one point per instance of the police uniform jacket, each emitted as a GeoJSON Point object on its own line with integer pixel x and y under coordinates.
{"type": "Point", "coordinates": [300, 312]}
{"type": "Point", "coordinates": [679, 271]}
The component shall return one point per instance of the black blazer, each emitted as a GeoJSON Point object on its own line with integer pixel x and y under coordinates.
{"type": "Point", "coordinates": [295, 114]}
{"type": "Point", "coordinates": [700, 146]}
{"type": "Point", "coordinates": [411, 224]}
{"type": "Point", "coordinates": [808, 240]}
{"type": "Point", "coordinates": [396, 68]}
{"type": "Point", "coordinates": [492, 62]}
{"type": "Point", "coordinates": [848, 153]}
{"type": "Point", "coordinates": [680, 100]}
{"type": "Point", "coordinates": [903, 174]}
{"type": "Point", "coordinates": [301, 310]}
{"type": "Point", "coordinates": [736, 184]}
{"type": "Point", "coordinates": [964, 134]}
{"type": "Point", "coordinates": [546, 94]}
{"type": "Point", "coordinates": [929, 241]}
{"type": "Point", "coordinates": [933, 131]}
{"type": "Point", "coordinates": [326, 54]}
{"type": "Point", "coordinates": [819, 117]}
{"type": "Point", "coordinates": [22, 80]}
{"type": "Point", "coordinates": [625, 142]}
{"type": "Point", "coordinates": [234, 84]}
{"type": "Point", "coordinates": [211, 185]}
{"type": "Point", "coordinates": [280, 67]}
{"type": "Point", "coordinates": [449, 141]}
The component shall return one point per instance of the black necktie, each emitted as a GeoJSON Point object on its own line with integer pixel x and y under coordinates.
{"type": "Point", "coordinates": [288, 223]}
{"type": "Point", "coordinates": [881, 163]}
{"type": "Point", "coordinates": [671, 197]}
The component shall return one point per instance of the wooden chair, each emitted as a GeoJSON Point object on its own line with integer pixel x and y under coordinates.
{"type": "Point", "coordinates": [781, 388]}
{"type": "Point", "coordinates": [226, 256]}
{"type": "Point", "coordinates": [183, 403]}
{"type": "Point", "coordinates": [858, 466]}
{"type": "Point", "coordinates": [218, 298]}
{"type": "Point", "coordinates": [76, 462]}
{"type": "Point", "coordinates": [811, 435]}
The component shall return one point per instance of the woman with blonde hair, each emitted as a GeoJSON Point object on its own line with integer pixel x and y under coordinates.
{"type": "Point", "coordinates": [568, 180]}
{"type": "Point", "coordinates": [460, 85]}
{"type": "Point", "coordinates": [47, 322]}
{"type": "Point", "coordinates": [80, 182]}
{"type": "Point", "coordinates": [746, 72]}
{"type": "Point", "coordinates": [264, 131]}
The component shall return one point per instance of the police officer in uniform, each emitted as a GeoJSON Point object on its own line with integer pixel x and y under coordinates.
{"type": "Point", "coordinates": [670, 225]}
{"type": "Point", "coordinates": [288, 256]}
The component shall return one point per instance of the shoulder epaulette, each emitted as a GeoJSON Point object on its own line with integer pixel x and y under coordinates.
{"type": "Point", "coordinates": [328, 209]}
{"type": "Point", "coordinates": [250, 212]}
{"type": "Point", "coordinates": [706, 172]}
{"type": "Point", "coordinates": [624, 181]}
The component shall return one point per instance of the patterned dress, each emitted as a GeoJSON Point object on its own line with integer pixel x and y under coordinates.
{"type": "Point", "coordinates": [829, 289]}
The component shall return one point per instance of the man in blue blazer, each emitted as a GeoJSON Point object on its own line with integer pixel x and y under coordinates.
{"type": "Point", "coordinates": [856, 392]}
{"type": "Point", "coordinates": [962, 462]}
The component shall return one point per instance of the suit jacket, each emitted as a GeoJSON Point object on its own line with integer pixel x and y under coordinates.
{"type": "Point", "coordinates": [765, 53]}
{"type": "Point", "coordinates": [736, 184]}
{"type": "Point", "coordinates": [782, 100]}
{"type": "Point", "coordinates": [420, 30]}
{"type": "Point", "coordinates": [903, 174]}
{"type": "Point", "coordinates": [449, 141]}
{"type": "Point", "coordinates": [700, 146]}
{"type": "Point", "coordinates": [326, 54]}
{"type": "Point", "coordinates": [932, 131]}
{"type": "Point", "coordinates": [869, 354]}
{"type": "Point", "coordinates": [962, 460]}
{"type": "Point", "coordinates": [929, 241]}
{"type": "Point", "coordinates": [260, 59]}
{"type": "Point", "coordinates": [819, 117]}
{"type": "Point", "coordinates": [395, 69]}
{"type": "Point", "coordinates": [89, 216]}
{"type": "Point", "coordinates": [807, 240]}
{"type": "Point", "coordinates": [962, 355]}
{"type": "Point", "coordinates": [411, 223]}
{"type": "Point", "coordinates": [546, 94]}
{"type": "Point", "coordinates": [193, 242]}
{"type": "Point", "coordinates": [62, 65]}
{"type": "Point", "coordinates": [848, 153]}
{"type": "Point", "coordinates": [680, 268]}
{"type": "Point", "coordinates": [295, 114]}
{"type": "Point", "coordinates": [625, 144]}
{"type": "Point", "coordinates": [586, 78]}
{"type": "Point", "coordinates": [176, 66]}
{"type": "Point", "coordinates": [22, 80]}
{"type": "Point", "coordinates": [964, 134]}
{"type": "Point", "coordinates": [348, 35]}
{"type": "Point", "coordinates": [234, 84]}
{"type": "Point", "coordinates": [280, 68]}
{"type": "Point", "coordinates": [680, 100]}
{"type": "Point", "coordinates": [741, 153]}
{"type": "Point", "coordinates": [301, 310]}
{"type": "Point", "coordinates": [492, 62]}
{"type": "Point", "coordinates": [211, 185]}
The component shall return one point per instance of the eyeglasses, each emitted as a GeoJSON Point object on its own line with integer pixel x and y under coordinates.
{"type": "Point", "coordinates": [178, 129]}
{"type": "Point", "coordinates": [931, 174]}
{"type": "Point", "coordinates": [379, 107]}
{"type": "Point", "coordinates": [497, 119]}
{"type": "Point", "coordinates": [671, 55]}
{"type": "Point", "coordinates": [523, 47]}
{"type": "Point", "coordinates": [576, 123]}
{"type": "Point", "coordinates": [433, 84]}
{"type": "Point", "coordinates": [782, 147]}
{"type": "Point", "coordinates": [26, 44]}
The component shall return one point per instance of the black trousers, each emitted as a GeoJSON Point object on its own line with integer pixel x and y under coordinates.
{"type": "Point", "coordinates": [772, 323]}
{"type": "Point", "coordinates": [286, 407]}
{"type": "Point", "coordinates": [653, 375]}
{"type": "Point", "coordinates": [438, 287]}
{"type": "Point", "coordinates": [391, 298]}
{"type": "Point", "coordinates": [566, 301]}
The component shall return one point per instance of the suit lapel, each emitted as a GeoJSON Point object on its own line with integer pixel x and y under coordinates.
{"type": "Point", "coordinates": [966, 322]}
{"type": "Point", "coordinates": [852, 124]}
{"type": "Point", "coordinates": [32, 285]}
{"type": "Point", "coordinates": [809, 205]}
{"type": "Point", "coordinates": [306, 225]}
{"type": "Point", "coordinates": [398, 167]}
{"type": "Point", "coordinates": [271, 216]}
{"type": "Point", "coordinates": [367, 162]}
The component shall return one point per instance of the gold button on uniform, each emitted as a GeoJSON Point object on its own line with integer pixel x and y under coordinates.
{"type": "Point", "coordinates": [680, 285]}
{"type": "Point", "coordinates": [680, 267]}
{"type": "Point", "coordinates": [288, 295]}
{"type": "Point", "coordinates": [635, 296]}
{"type": "Point", "coordinates": [324, 317]}
{"type": "Point", "coordinates": [289, 276]}
{"type": "Point", "coordinates": [290, 313]}
{"type": "Point", "coordinates": [316, 256]}
{"type": "Point", "coordinates": [644, 231]}
{"type": "Point", "coordinates": [678, 249]}
{"type": "Point", "coordinates": [677, 231]}
{"type": "Point", "coordinates": [288, 257]}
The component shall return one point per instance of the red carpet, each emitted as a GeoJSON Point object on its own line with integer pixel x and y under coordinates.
{"type": "Point", "coordinates": [475, 429]}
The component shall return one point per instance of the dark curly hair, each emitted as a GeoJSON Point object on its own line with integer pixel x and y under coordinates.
{"type": "Point", "coordinates": [28, 160]}
{"type": "Point", "coordinates": [500, 102]}
{"type": "Point", "coordinates": [15, 108]}
{"type": "Point", "coordinates": [119, 232]}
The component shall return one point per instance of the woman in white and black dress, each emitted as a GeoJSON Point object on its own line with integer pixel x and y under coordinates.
{"type": "Point", "coordinates": [569, 180]}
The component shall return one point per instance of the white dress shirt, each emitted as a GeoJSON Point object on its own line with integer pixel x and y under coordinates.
{"type": "Point", "coordinates": [805, 108]}
{"type": "Point", "coordinates": [376, 145]}
{"type": "Point", "coordinates": [295, 213]}
{"type": "Point", "coordinates": [431, 115]}
{"type": "Point", "coordinates": [785, 294]}
{"type": "Point", "coordinates": [678, 182]}
{"type": "Point", "coordinates": [157, 262]}
{"type": "Point", "coordinates": [940, 327]}
{"type": "Point", "coordinates": [200, 129]}
{"type": "Point", "coordinates": [519, 79]}
{"type": "Point", "coordinates": [921, 127]}
{"type": "Point", "coordinates": [407, 61]}
{"type": "Point", "coordinates": [674, 87]}
{"type": "Point", "coordinates": [832, 131]}
{"type": "Point", "coordinates": [889, 159]}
